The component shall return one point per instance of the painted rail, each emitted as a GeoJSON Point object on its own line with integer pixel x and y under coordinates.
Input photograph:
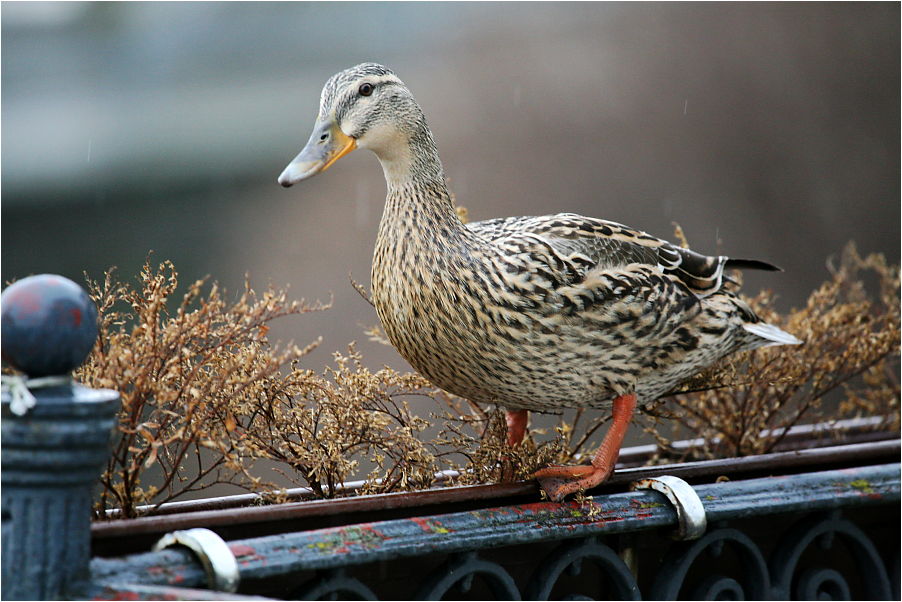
{"type": "Point", "coordinates": [628, 512]}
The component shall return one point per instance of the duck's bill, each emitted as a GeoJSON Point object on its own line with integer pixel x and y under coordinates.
{"type": "Point", "coordinates": [327, 145]}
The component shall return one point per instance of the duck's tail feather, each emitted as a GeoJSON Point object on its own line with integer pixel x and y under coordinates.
{"type": "Point", "coordinates": [751, 264]}
{"type": "Point", "coordinates": [771, 335]}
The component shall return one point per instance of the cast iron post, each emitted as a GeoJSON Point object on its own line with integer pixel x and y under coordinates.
{"type": "Point", "coordinates": [56, 438]}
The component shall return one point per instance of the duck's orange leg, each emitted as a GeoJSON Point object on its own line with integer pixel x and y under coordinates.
{"type": "Point", "coordinates": [561, 481]}
{"type": "Point", "coordinates": [516, 426]}
{"type": "Point", "coordinates": [516, 430]}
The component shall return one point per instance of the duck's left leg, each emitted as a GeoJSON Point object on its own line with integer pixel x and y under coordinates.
{"type": "Point", "coordinates": [561, 481]}
{"type": "Point", "coordinates": [517, 421]}
{"type": "Point", "coordinates": [516, 426]}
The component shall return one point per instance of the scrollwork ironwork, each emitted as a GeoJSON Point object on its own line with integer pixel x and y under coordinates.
{"type": "Point", "coordinates": [827, 583]}
{"type": "Point", "coordinates": [754, 582]}
{"type": "Point", "coordinates": [334, 585]}
{"type": "Point", "coordinates": [460, 570]}
{"type": "Point", "coordinates": [822, 584]}
{"type": "Point", "coordinates": [718, 587]}
{"type": "Point", "coordinates": [569, 558]}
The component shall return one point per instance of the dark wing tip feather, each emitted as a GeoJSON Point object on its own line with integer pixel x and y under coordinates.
{"type": "Point", "coordinates": [704, 273]}
{"type": "Point", "coordinates": [752, 264]}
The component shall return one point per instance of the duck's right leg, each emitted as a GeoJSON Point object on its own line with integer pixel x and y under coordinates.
{"type": "Point", "coordinates": [560, 481]}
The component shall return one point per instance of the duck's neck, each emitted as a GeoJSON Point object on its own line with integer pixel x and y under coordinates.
{"type": "Point", "coordinates": [418, 203]}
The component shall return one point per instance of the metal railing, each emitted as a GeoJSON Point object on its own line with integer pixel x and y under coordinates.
{"type": "Point", "coordinates": [627, 536]}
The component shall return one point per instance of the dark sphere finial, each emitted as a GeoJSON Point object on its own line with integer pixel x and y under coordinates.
{"type": "Point", "coordinates": [49, 325]}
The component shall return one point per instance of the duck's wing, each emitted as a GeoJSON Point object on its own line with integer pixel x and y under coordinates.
{"type": "Point", "coordinates": [600, 244]}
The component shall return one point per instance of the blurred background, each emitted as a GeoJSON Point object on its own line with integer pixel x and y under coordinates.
{"type": "Point", "coordinates": [765, 130]}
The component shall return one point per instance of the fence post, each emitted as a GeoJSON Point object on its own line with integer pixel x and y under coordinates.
{"type": "Point", "coordinates": [55, 438]}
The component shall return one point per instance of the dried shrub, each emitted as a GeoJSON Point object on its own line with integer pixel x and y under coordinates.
{"type": "Point", "coordinates": [321, 426]}
{"type": "Point", "coordinates": [179, 374]}
{"type": "Point", "coordinates": [847, 366]}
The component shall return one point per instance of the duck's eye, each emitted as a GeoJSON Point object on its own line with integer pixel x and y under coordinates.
{"type": "Point", "coordinates": [366, 89]}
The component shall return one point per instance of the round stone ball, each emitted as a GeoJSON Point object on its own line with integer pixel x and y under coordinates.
{"type": "Point", "coordinates": [49, 325]}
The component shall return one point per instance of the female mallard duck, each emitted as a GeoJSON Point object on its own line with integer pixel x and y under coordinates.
{"type": "Point", "coordinates": [531, 313]}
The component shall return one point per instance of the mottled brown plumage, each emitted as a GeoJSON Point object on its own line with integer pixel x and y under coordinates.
{"type": "Point", "coordinates": [531, 313]}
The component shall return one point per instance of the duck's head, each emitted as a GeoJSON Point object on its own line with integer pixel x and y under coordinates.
{"type": "Point", "coordinates": [366, 106]}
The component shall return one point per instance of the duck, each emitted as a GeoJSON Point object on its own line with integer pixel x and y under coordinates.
{"type": "Point", "coordinates": [532, 313]}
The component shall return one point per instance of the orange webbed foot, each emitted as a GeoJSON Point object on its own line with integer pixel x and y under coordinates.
{"type": "Point", "coordinates": [560, 481]}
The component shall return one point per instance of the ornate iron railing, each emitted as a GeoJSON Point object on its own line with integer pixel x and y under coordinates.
{"type": "Point", "coordinates": [761, 536]}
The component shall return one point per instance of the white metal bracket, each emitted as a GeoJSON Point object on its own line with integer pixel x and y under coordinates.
{"type": "Point", "coordinates": [690, 511]}
{"type": "Point", "coordinates": [214, 554]}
